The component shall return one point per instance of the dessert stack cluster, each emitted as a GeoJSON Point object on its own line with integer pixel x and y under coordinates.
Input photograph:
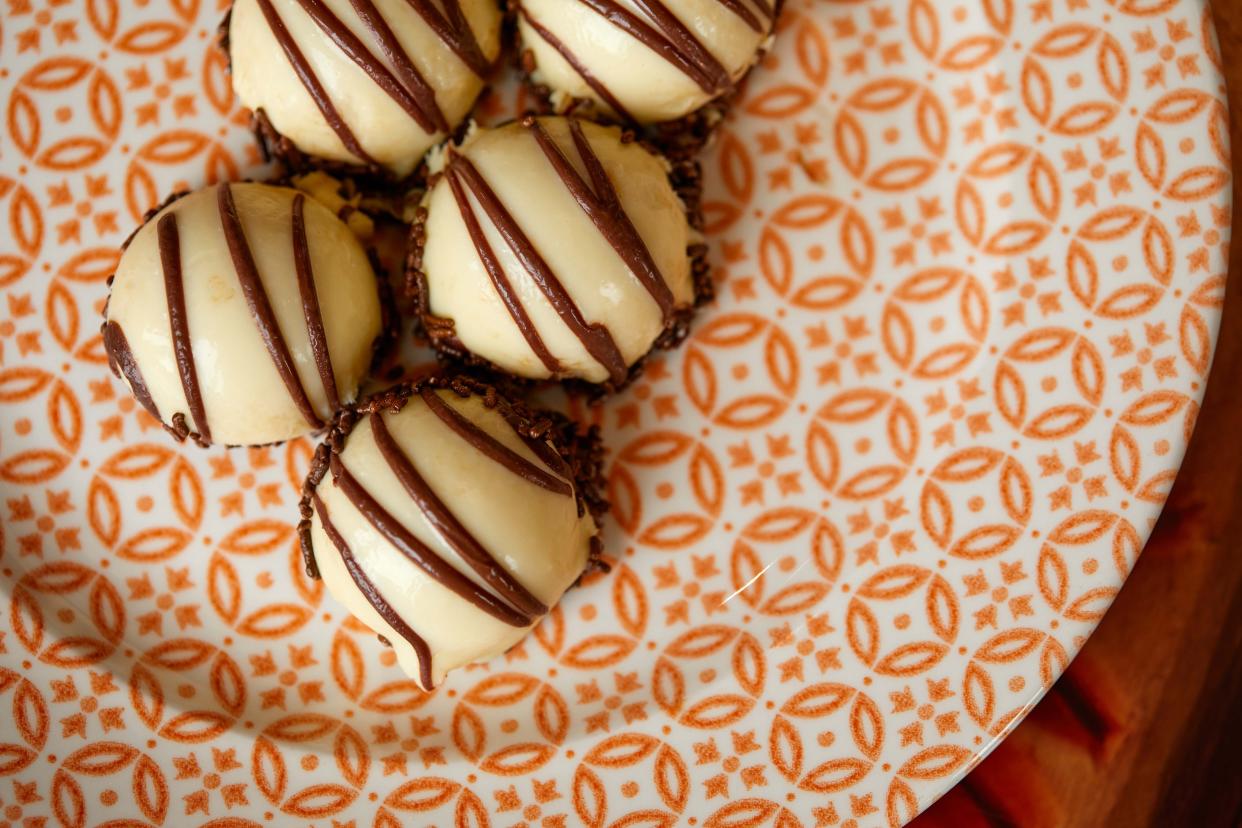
{"type": "Point", "coordinates": [444, 512]}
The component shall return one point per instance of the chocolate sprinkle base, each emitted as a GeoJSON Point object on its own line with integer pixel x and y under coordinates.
{"type": "Point", "coordinates": [683, 138]}
{"type": "Point", "coordinates": [276, 147]}
{"type": "Point", "coordinates": [582, 451]}
{"type": "Point", "coordinates": [685, 176]}
{"type": "Point", "coordinates": [680, 139]}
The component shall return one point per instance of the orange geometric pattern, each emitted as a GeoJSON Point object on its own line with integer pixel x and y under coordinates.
{"type": "Point", "coordinates": [970, 261]}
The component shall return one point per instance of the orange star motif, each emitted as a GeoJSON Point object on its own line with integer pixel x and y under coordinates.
{"type": "Point", "coordinates": [311, 691]}
{"type": "Point", "coordinates": [706, 752]}
{"type": "Point", "coordinates": [744, 742]}
{"type": "Point", "coordinates": [151, 622]}
{"type": "Point", "coordinates": [21, 509]}
{"type": "Point", "coordinates": [101, 683]}
{"type": "Point", "coordinates": [545, 791]}
{"type": "Point", "coordinates": [627, 415]}
{"type": "Point", "coordinates": [65, 31]}
{"type": "Point", "coordinates": [110, 427]}
{"type": "Point", "coordinates": [110, 718]}
{"type": "Point", "coordinates": [678, 611]}
{"type": "Point", "coordinates": [861, 805]}
{"type": "Point", "coordinates": [74, 725]}
{"type": "Point", "coordinates": [1011, 572]}
{"type": "Point", "coordinates": [186, 766]}
{"type": "Point", "coordinates": [666, 576]}
{"type": "Point", "coordinates": [196, 802]}
{"type": "Point", "coordinates": [225, 760]}
{"type": "Point", "coordinates": [946, 723]}
{"type": "Point", "coordinates": [187, 616]}
{"type": "Point", "coordinates": [26, 792]}
{"type": "Point", "coordinates": [713, 602]}
{"type": "Point", "coordinates": [704, 566]}
{"type": "Point", "coordinates": [657, 369]}
{"type": "Point", "coordinates": [718, 785]}
{"type": "Point", "coordinates": [753, 777]}
{"type": "Point", "coordinates": [867, 553]}
{"type": "Point", "coordinates": [791, 669]}
{"type": "Point", "coordinates": [911, 734]}
{"type": "Point", "coordinates": [828, 659]}
{"type": "Point", "coordinates": [825, 817]}
{"type": "Point", "coordinates": [300, 657]}
{"type": "Point", "coordinates": [394, 763]}
{"type": "Point", "coordinates": [665, 406]}
{"type": "Point", "coordinates": [275, 697]}
{"type": "Point", "coordinates": [28, 41]}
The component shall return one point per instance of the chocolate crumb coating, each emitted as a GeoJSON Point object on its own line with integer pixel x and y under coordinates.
{"type": "Point", "coordinates": [624, 228]}
{"type": "Point", "coordinates": [450, 518]}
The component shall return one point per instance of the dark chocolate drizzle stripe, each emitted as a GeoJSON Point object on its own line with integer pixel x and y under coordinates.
{"type": "Point", "coordinates": [765, 8]}
{"type": "Point", "coordinates": [419, 553]}
{"type": "Point", "coordinates": [455, 31]}
{"type": "Point", "coordinates": [739, 9]}
{"type": "Point", "coordinates": [121, 360]}
{"type": "Point", "coordinates": [499, 280]}
{"type": "Point", "coordinates": [449, 528]}
{"type": "Point", "coordinates": [310, 304]}
{"type": "Point", "coordinates": [596, 85]}
{"type": "Point", "coordinates": [493, 448]}
{"type": "Point", "coordinates": [540, 448]}
{"type": "Point", "coordinates": [672, 41]}
{"type": "Point", "coordinates": [684, 41]}
{"type": "Point", "coordinates": [260, 305]}
{"type": "Point", "coordinates": [602, 206]}
{"type": "Point", "coordinates": [414, 82]}
{"type": "Point", "coordinates": [413, 102]}
{"type": "Point", "coordinates": [594, 337]}
{"type": "Point", "coordinates": [302, 67]}
{"type": "Point", "coordinates": [178, 320]}
{"type": "Point", "coordinates": [373, 596]}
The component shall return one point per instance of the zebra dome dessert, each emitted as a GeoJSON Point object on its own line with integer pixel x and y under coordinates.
{"type": "Point", "coordinates": [243, 314]}
{"type": "Point", "coordinates": [449, 520]}
{"type": "Point", "coordinates": [553, 248]}
{"type": "Point", "coordinates": [645, 61]}
{"type": "Point", "coordinates": [370, 83]}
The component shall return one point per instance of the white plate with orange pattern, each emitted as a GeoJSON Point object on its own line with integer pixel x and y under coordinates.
{"type": "Point", "coordinates": [970, 257]}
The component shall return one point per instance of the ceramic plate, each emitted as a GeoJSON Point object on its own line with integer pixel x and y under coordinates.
{"type": "Point", "coordinates": [970, 261]}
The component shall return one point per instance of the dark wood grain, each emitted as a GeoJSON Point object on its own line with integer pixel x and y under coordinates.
{"type": "Point", "coordinates": [1145, 728]}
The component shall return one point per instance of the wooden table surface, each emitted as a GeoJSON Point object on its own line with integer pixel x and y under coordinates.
{"type": "Point", "coordinates": [1145, 728]}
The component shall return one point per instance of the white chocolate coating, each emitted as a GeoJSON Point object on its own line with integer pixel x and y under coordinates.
{"type": "Point", "coordinates": [582, 259]}
{"type": "Point", "coordinates": [264, 78]}
{"type": "Point", "coordinates": [245, 400]}
{"type": "Point", "coordinates": [535, 534]}
{"type": "Point", "coordinates": [649, 87]}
